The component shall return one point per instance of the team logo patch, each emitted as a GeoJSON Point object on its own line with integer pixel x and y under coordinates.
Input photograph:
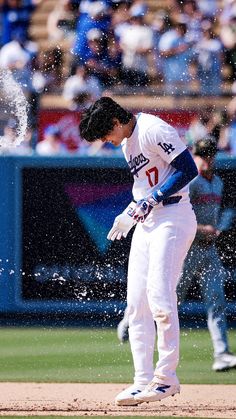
{"type": "Point", "coordinates": [167, 147]}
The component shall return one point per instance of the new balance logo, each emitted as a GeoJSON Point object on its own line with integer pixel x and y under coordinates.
{"type": "Point", "coordinates": [136, 392]}
{"type": "Point", "coordinates": [162, 389]}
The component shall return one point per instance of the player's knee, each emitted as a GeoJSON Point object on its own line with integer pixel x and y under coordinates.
{"type": "Point", "coordinates": [161, 308]}
{"type": "Point", "coordinates": [135, 311]}
{"type": "Point", "coordinates": [161, 316]}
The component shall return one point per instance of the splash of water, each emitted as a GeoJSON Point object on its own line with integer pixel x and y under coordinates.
{"type": "Point", "coordinates": [15, 100]}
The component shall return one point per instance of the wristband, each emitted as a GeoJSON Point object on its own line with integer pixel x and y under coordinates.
{"type": "Point", "coordinates": [155, 198]}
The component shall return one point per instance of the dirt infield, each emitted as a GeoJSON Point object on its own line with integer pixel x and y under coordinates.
{"type": "Point", "coordinates": [30, 399]}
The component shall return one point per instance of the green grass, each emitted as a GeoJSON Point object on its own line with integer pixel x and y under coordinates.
{"type": "Point", "coordinates": [95, 355]}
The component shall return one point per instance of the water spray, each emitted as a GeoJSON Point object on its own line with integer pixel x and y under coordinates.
{"type": "Point", "coordinates": [12, 94]}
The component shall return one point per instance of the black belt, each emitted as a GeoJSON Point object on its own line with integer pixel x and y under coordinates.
{"type": "Point", "coordinates": [168, 201]}
{"type": "Point", "coordinates": [171, 200]}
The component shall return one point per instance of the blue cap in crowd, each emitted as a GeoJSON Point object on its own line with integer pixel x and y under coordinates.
{"type": "Point", "coordinates": [52, 130]}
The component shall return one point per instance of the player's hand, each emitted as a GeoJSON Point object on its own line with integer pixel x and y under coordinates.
{"type": "Point", "coordinates": [122, 223]}
{"type": "Point", "coordinates": [142, 210]}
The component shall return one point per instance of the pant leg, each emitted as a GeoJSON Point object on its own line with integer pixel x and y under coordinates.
{"type": "Point", "coordinates": [142, 331]}
{"type": "Point", "coordinates": [213, 279]}
{"type": "Point", "coordinates": [169, 243]}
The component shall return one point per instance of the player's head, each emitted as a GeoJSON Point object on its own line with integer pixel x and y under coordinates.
{"type": "Point", "coordinates": [205, 148]}
{"type": "Point", "coordinates": [204, 151]}
{"type": "Point", "coordinates": [103, 119]}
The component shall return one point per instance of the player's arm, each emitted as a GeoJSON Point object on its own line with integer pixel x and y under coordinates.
{"type": "Point", "coordinates": [185, 171]}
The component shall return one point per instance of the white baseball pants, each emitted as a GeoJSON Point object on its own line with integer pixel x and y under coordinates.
{"type": "Point", "coordinates": [158, 249]}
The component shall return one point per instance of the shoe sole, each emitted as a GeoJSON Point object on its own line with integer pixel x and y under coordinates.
{"type": "Point", "coordinates": [127, 402]}
{"type": "Point", "coordinates": [224, 369]}
{"type": "Point", "coordinates": [157, 400]}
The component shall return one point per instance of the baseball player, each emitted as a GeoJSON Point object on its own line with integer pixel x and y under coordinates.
{"type": "Point", "coordinates": [203, 260]}
{"type": "Point", "coordinates": [165, 223]}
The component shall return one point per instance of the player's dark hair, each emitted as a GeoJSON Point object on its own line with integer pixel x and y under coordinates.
{"type": "Point", "coordinates": [98, 120]}
{"type": "Point", "coordinates": [206, 147]}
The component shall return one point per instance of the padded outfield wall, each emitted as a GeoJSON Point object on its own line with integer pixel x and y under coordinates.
{"type": "Point", "coordinates": [55, 215]}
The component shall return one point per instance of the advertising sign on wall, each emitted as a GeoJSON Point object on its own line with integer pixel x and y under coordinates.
{"type": "Point", "coordinates": [67, 213]}
{"type": "Point", "coordinates": [67, 121]}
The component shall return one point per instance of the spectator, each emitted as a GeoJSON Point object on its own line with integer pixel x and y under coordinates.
{"type": "Point", "coordinates": [176, 54]}
{"type": "Point", "coordinates": [228, 138]}
{"type": "Point", "coordinates": [16, 15]}
{"type": "Point", "coordinates": [208, 122]}
{"type": "Point", "coordinates": [61, 21]}
{"type": "Point", "coordinates": [101, 65]}
{"type": "Point", "coordinates": [136, 42]}
{"type": "Point", "coordinates": [18, 56]}
{"type": "Point", "coordinates": [160, 24]}
{"type": "Point", "coordinates": [0, 24]}
{"type": "Point", "coordinates": [209, 53]}
{"type": "Point", "coordinates": [51, 144]}
{"type": "Point", "coordinates": [9, 138]}
{"type": "Point", "coordinates": [114, 58]}
{"type": "Point", "coordinates": [138, 7]}
{"type": "Point", "coordinates": [120, 16]}
{"type": "Point", "coordinates": [228, 11]}
{"type": "Point", "coordinates": [94, 15]}
{"type": "Point", "coordinates": [208, 8]}
{"type": "Point", "coordinates": [193, 17]}
{"type": "Point", "coordinates": [81, 89]}
{"type": "Point", "coordinates": [48, 76]}
{"type": "Point", "coordinates": [228, 39]}
{"type": "Point", "coordinates": [202, 259]}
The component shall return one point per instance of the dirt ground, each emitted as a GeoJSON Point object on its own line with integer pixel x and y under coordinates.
{"type": "Point", "coordinates": [30, 399]}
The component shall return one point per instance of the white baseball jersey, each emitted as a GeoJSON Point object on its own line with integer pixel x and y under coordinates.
{"type": "Point", "coordinates": [149, 151]}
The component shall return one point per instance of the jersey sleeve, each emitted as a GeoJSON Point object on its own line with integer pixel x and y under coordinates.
{"type": "Point", "coordinates": [164, 140]}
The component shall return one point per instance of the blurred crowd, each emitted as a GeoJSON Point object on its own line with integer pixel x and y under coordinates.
{"type": "Point", "coordinates": [186, 48]}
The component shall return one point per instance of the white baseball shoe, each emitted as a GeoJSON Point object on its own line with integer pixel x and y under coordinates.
{"type": "Point", "coordinates": [126, 397]}
{"type": "Point", "coordinates": [224, 362]}
{"type": "Point", "coordinates": [155, 391]}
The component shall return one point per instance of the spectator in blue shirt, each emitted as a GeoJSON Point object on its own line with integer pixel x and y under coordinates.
{"type": "Point", "coordinates": [96, 16]}
{"type": "Point", "coordinates": [16, 14]}
{"type": "Point", "coordinates": [209, 52]}
{"type": "Point", "coordinates": [176, 54]}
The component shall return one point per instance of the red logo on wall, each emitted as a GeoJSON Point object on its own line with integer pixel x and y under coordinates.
{"type": "Point", "coordinates": [66, 121]}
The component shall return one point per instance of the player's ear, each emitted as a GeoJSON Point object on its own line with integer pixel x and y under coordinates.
{"type": "Point", "coordinates": [116, 122]}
